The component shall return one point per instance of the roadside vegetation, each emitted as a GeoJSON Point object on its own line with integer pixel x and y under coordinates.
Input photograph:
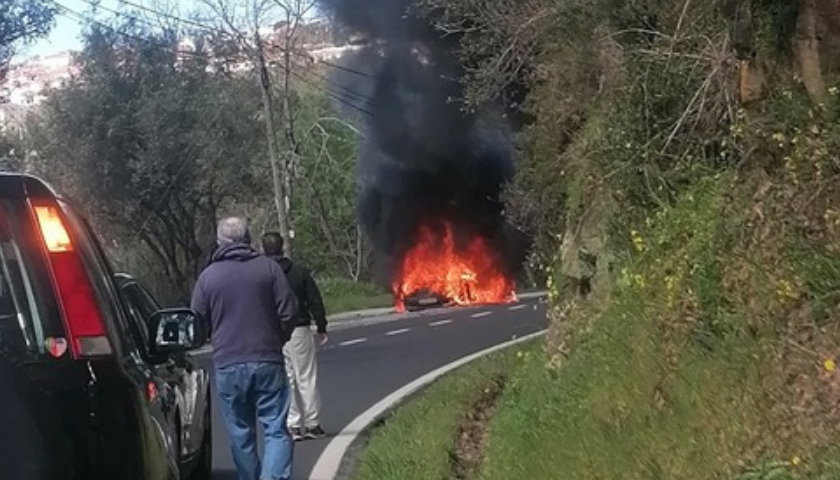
{"type": "Point", "coordinates": [157, 139]}
{"type": "Point", "coordinates": [680, 171]}
{"type": "Point", "coordinates": [437, 434]}
{"type": "Point", "coordinates": [344, 295]}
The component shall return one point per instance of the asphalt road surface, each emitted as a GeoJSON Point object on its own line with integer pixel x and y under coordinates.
{"type": "Point", "coordinates": [363, 364]}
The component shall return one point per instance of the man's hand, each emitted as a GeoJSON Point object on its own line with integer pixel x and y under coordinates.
{"type": "Point", "coordinates": [321, 339]}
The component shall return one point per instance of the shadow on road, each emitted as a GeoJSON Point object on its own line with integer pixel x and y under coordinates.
{"type": "Point", "coordinates": [225, 475]}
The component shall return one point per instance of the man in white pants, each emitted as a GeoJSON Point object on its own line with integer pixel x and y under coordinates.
{"type": "Point", "coordinates": [299, 352]}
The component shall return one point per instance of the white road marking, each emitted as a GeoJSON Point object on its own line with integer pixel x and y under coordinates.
{"type": "Point", "coordinates": [440, 322]}
{"type": "Point", "coordinates": [352, 342]}
{"type": "Point", "coordinates": [397, 332]}
{"type": "Point", "coordinates": [327, 465]}
{"type": "Point", "coordinates": [517, 307]}
{"type": "Point", "coordinates": [481, 314]}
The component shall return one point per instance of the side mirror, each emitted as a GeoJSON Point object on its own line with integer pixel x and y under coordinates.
{"type": "Point", "coordinates": [176, 330]}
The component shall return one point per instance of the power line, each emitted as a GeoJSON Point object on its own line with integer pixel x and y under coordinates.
{"type": "Point", "coordinates": [81, 19]}
{"type": "Point", "coordinates": [346, 90]}
{"type": "Point", "coordinates": [332, 94]}
{"type": "Point", "coordinates": [163, 14]}
{"type": "Point", "coordinates": [345, 69]}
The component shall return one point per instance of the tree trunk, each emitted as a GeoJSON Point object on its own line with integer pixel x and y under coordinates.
{"type": "Point", "coordinates": [806, 46]}
{"type": "Point", "coordinates": [360, 255]}
{"type": "Point", "coordinates": [750, 74]}
{"type": "Point", "coordinates": [750, 81]}
{"type": "Point", "coordinates": [829, 13]}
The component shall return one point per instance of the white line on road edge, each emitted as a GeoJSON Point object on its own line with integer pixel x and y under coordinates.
{"type": "Point", "coordinates": [326, 468]}
{"type": "Point", "coordinates": [439, 323]}
{"type": "Point", "coordinates": [397, 332]}
{"type": "Point", "coordinates": [517, 307]}
{"type": "Point", "coordinates": [352, 342]}
{"type": "Point", "coordinates": [481, 314]}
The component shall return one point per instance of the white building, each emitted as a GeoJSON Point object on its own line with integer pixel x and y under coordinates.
{"type": "Point", "coordinates": [27, 82]}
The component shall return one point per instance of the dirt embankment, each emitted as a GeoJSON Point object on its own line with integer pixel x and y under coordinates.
{"type": "Point", "coordinates": [473, 432]}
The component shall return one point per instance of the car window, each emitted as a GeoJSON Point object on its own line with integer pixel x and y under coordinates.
{"type": "Point", "coordinates": [26, 306]}
{"type": "Point", "coordinates": [19, 323]}
{"type": "Point", "coordinates": [139, 322]}
{"type": "Point", "coordinates": [141, 306]}
{"type": "Point", "coordinates": [144, 301]}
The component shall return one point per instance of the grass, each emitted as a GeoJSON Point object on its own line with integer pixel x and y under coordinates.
{"type": "Point", "coordinates": [654, 388]}
{"type": "Point", "coordinates": [615, 411]}
{"type": "Point", "coordinates": [342, 295]}
{"type": "Point", "coordinates": [417, 440]}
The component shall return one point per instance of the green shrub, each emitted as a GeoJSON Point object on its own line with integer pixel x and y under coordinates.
{"type": "Point", "coordinates": [343, 295]}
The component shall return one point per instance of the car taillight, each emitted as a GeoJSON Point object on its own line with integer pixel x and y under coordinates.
{"type": "Point", "coordinates": [82, 317]}
{"type": "Point", "coordinates": [151, 391]}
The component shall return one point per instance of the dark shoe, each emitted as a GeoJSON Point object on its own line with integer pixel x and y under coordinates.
{"type": "Point", "coordinates": [296, 435]}
{"type": "Point", "coordinates": [315, 432]}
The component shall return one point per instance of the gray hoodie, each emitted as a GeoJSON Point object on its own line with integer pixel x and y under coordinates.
{"type": "Point", "coordinates": [249, 305]}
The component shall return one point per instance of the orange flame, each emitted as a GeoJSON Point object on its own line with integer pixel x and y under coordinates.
{"type": "Point", "coordinates": [469, 275]}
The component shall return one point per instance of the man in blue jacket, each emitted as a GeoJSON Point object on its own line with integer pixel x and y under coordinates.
{"type": "Point", "coordinates": [251, 310]}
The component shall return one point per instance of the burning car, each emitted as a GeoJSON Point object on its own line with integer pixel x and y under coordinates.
{"type": "Point", "coordinates": [436, 272]}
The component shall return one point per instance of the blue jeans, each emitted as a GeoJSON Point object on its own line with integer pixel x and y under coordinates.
{"type": "Point", "coordinates": [257, 391]}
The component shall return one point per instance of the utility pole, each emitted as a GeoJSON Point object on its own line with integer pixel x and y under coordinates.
{"type": "Point", "coordinates": [289, 119]}
{"type": "Point", "coordinates": [282, 170]}
{"type": "Point", "coordinates": [294, 10]}
{"type": "Point", "coordinates": [279, 169]}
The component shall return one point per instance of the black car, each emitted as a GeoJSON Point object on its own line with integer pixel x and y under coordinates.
{"type": "Point", "coordinates": [423, 299]}
{"type": "Point", "coordinates": [95, 380]}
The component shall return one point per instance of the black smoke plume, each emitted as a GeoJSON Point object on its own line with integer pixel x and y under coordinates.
{"type": "Point", "coordinates": [422, 159]}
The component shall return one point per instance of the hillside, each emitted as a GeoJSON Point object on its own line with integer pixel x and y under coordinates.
{"type": "Point", "coordinates": [680, 171]}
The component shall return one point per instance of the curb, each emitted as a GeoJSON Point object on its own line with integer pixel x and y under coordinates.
{"type": "Point", "coordinates": [344, 316]}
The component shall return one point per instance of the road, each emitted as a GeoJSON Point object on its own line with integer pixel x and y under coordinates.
{"type": "Point", "coordinates": [363, 364]}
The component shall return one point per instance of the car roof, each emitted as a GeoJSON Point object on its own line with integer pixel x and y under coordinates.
{"type": "Point", "coordinates": [22, 185]}
{"type": "Point", "coordinates": [123, 279]}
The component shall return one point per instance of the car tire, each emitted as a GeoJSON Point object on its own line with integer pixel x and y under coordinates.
{"type": "Point", "coordinates": [203, 469]}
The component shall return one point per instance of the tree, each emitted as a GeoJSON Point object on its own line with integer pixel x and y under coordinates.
{"type": "Point", "coordinates": [807, 50]}
{"type": "Point", "coordinates": [245, 24]}
{"type": "Point", "coordinates": [154, 143]}
{"type": "Point", "coordinates": [325, 219]}
{"type": "Point", "coordinates": [21, 21]}
{"type": "Point", "coordinates": [499, 41]}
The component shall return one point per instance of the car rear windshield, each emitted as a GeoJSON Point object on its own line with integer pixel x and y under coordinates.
{"type": "Point", "coordinates": [28, 313]}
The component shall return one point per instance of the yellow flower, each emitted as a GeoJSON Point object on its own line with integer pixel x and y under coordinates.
{"type": "Point", "coordinates": [795, 460]}
{"type": "Point", "coordinates": [785, 290]}
{"type": "Point", "coordinates": [779, 138]}
{"type": "Point", "coordinates": [639, 280]}
{"type": "Point", "coordinates": [638, 241]}
{"type": "Point", "coordinates": [829, 365]}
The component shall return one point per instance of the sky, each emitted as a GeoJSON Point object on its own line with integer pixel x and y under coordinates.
{"type": "Point", "coordinates": [66, 33]}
